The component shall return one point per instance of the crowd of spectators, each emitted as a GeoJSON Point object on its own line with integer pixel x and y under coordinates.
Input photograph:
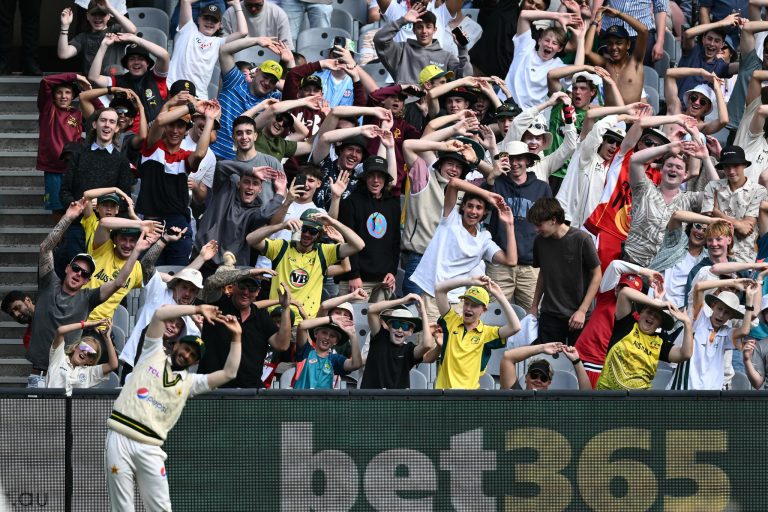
{"type": "Point", "coordinates": [514, 182]}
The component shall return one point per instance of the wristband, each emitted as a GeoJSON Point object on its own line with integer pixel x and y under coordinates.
{"type": "Point", "coordinates": [82, 324]}
{"type": "Point", "coordinates": [749, 308]}
{"type": "Point", "coordinates": [191, 108]}
{"type": "Point", "coordinates": [568, 114]}
{"type": "Point", "coordinates": [576, 361]}
{"type": "Point", "coordinates": [594, 23]}
{"type": "Point", "coordinates": [164, 240]}
{"type": "Point", "coordinates": [64, 32]}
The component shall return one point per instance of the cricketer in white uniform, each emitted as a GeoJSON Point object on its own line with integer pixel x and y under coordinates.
{"type": "Point", "coordinates": [150, 404]}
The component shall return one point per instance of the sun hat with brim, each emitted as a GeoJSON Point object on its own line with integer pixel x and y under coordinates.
{"type": "Point", "coordinates": [433, 72]}
{"type": "Point", "coordinates": [506, 109]}
{"type": "Point", "coordinates": [375, 163]}
{"type": "Point", "coordinates": [405, 315]}
{"type": "Point", "coordinates": [450, 155]}
{"type": "Point", "coordinates": [343, 336]}
{"type": "Point", "coordinates": [727, 299]}
{"type": "Point", "coordinates": [541, 365]}
{"type": "Point", "coordinates": [135, 49]}
{"type": "Point", "coordinates": [190, 275]}
{"type": "Point", "coordinates": [667, 320]}
{"type": "Point", "coordinates": [539, 127]}
{"type": "Point", "coordinates": [591, 78]}
{"type": "Point", "coordinates": [461, 92]}
{"type": "Point", "coordinates": [194, 341]}
{"type": "Point", "coordinates": [357, 140]}
{"type": "Point", "coordinates": [518, 148]}
{"type": "Point", "coordinates": [616, 131]}
{"type": "Point", "coordinates": [477, 294]}
{"type": "Point", "coordinates": [307, 218]}
{"type": "Point", "coordinates": [732, 155]}
{"type": "Point", "coordinates": [476, 147]}
{"type": "Point", "coordinates": [705, 91]}
{"type": "Point", "coordinates": [657, 133]}
{"type": "Point", "coordinates": [346, 306]}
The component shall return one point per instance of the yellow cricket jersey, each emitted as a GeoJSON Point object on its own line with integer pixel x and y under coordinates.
{"type": "Point", "coordinates": [89, 224]}
{"type": "Point", "coordinates": [465, 353]}
{"type": "Point", "coordinates": [303, 273]}
{"type": "Point", "coordinates": [108, 265]}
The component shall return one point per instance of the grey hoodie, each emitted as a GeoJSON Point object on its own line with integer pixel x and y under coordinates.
{"type": "Point", "coordinates": [404, 61]}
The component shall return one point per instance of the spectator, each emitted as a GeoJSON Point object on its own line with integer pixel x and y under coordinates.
{"type": "Point", "coordinates": [107, 205]}
{"type": "Point", "coordinates": [624, 65]}
{"type": "Point", "coordinates": [569, 273]}
{"type": "Point", "coordinates": [76, 365]}
{"type": "Point", "coordinates": [351, 150]}
{"type": "Point", "coordinates": [539, 375]}
{"type": "Point", "coordinates": [405, 60]}
{"type": "Point", "coordinates": [128, 107]}
{"type": "Point", "coordinates": [390, 357]}
{"type": "Point", "coordinates": [165, 166]}
{"type": "Point", "coordinates": [277, 120]}
{"type": "Point", "coordinates": [341, 81]}
{"type": "Point", "coordinates": [302, 266]}
{"type": "Point", "coordinates": [61, 302]}
{"type": "Point", "coordinates": [468, 341]}
{"type": "Point", "coordinates": [58, 123]}
{"type": "Point", "coordinates": [318, 364]}
{"type": "Point", "coordinates": [416, 113]}
{"type": "Point", "coordinates": [237, 94]}
{"type": "Point", "coordinates": [102, 18]}
{"type": "Point", "coordinates": [719, 237]}
{"type": "Point", "coordinates": [264, 18]}
{"type": "Point", "coordinates": [736, 199]}
{"type": "Point", "coordinates": [492, 54]}
{"type": "Point", "coordinates": [699, 100]}
{"type": "Point", "coordinates": [260, 334]}
{"type": "Point", "coordinates": [520, 189]}
{"type": "Point", "coordinates": [444, 12]}
{"type": "Point", "coordinates": [19, 306]}
{"type": "Point", "coordinates": [199, 182]}
{"type": "Point", "coordinates": [651, 14]}
{"type": "Point", "coordinates": [635, 349]}
{"type": "Point", "coordinates": [30, 33]}
{"type": "Point", "coordinates": [318, 12]}
{"type": "Point", "coordinates": [712, 334]}
{"type": "Point", "coordinates": [143, 76]}
{"type": "Point", "coordinates": [373, 213]}
{"type": "Point", "coordinates": [705, 54]}
{"type": "Point", "coordinates": [196, 47]}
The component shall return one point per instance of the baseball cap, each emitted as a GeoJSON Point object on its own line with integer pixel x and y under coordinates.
{"type": "Point", "coordinates": [433, 72]}
{"type": "Point", "coordinates": [278, 311]}
{"type": "Point", "coordinates": [375, 163]}
{"type": "Point", "coordinates": [308, 220]}
{"type": "Point", "coordinates": [211, 10]}
{"type": "Point", "coordinates": [541, 365]}
{"type": "Point", "coordinates": [182, 85]}
{"type": "Point", "coordinates": [616, 31]}
{"type": "Point", "coordinates": [125, 232]}
{"type": "Point", "coordinates": [95, 8]}
{"type": "Point", "coordinates": [250, 279]}
{"type": "Point", "coordinates": [587, 77]}
{"type": "Point", "coordinates": [108, 197]}
{"type": "Point", "coordinates": [477, 294]}
{"type": "Point", "coordinates": [84, 256]}
{"type": "Point", "coordinates": [195, 341]}
{"type": "Point", "coordinates": [271, 67]}
{"type": "Point", "coordinates": [312, 80]}
{"type": "Point", "coordinates": [507, 109]}
{"type": "Point", "coordinates": [631, 280]}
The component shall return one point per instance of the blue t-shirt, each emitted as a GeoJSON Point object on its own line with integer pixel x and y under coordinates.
{"type": "Point", "coordinates": [235, 98]}
{"type": "Point", "coordinates": [318, 372]}
{"type": "Point", "coordinates": [695, 59]}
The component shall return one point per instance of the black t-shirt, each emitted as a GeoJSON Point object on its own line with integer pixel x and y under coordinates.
{"type": "Point", "coordinates": [257, 330]}
{"type": "Point", "coordinates": [493, 52]}
{"type": "Point", "coordinates": [388, 365]}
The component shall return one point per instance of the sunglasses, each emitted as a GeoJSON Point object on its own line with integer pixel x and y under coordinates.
{"type": "Point", "coordinates": [650, 142]}
{"type": "Point", "coordinates": [698, 98]}
{"type": "Point", "coordinates": [89, 350]}
{"type": "Point", "coordinates": [310, 230]}
{"type": "Point", "coordinates": [538, 375]}
{"type": "Point", "coordinates": [121, 111]}
{"type": "Point", "coordinates": [538, 126]}
{"type": "Point", "coordinates": [702, 227]}
{"type": "Point", "coordinates": [400, 324]}
{"type": "Point", "coordinates": [250, 287]}
{"type": "Point", "coordinates": [77, 269]}
{"type": "Point", "coordinates": [608, 139]}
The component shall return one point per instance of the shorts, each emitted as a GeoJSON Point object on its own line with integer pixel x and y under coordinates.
{"type": "Point", "coordinates": [51, 199]}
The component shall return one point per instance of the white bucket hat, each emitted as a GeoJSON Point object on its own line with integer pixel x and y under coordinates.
{"type": "Point", "coordinates": [538, 127]}
{"type": "Point", "coordinates": [190, 275]}
{"type": "Point", "coordinates": [727, 299]}
{"type": "Point", "coordinates": [704, 90]}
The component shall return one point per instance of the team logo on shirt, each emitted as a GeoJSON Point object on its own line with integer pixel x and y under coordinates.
{"type": "Point", "coordinates": [72, 121]}
{"type": "Point", "coordinates": [376, 225]}
{"type": "Point", "coordinates": [142, 393]}
{"type": "Point", "coordinates": [299, 278]}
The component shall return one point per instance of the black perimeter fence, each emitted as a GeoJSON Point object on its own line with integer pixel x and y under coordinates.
{"type": "Point", "coordinates": [428, 450]}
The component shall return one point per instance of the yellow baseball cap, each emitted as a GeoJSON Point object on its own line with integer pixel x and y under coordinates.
{"type": "Point", "coordinates": [271, 67]}
{"type": "Point", "coordinates": [477, 294]}
{"type": "Point", "coordinates": [432, 72]}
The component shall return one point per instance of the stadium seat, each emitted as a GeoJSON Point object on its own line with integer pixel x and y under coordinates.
{"type": "Point", "coordinates": [153, 35]}
{"type": "Point", "coordinates": [471, 13]}
{"type": "Point", "coordinates": [650, 78]}
{"type": "Point", "coordinates": [741, 382]}
{"type": "Point", "coordinates": [429, 370]}
{"type": "Point", "coordinates": [662, 378]}
{"type": "Point", "coordinates": [344, 20]}
{"type": "Point", "coordinates": [377, 71]}
{"type": "Point", "coordinates": [118, 338]}
{"type": "Point", "coordinates": [493, 367]}
{"type": "Point", "coordinates": [149, 17]}
{"type": "Point", "coordinates": [661, 66]}
{"type": "Point", "coordinates": [418, 380]}
{"type": "Point", "coordinates": [670, 47]}
{"type": "Point", "coordinates": [320, 37]}
{"type": "Point", "coordinates": [357, 8]}
{"type": "Point", "coordinates": [121, 318]}
{"type": "Point", "coordinates": [112, 382]}
{"type": "Point", "coordinates": [560, 363]}
{"type": "Point", "coordinates": [314, 53]}
{"type": "Point", "coordinates": [564, 380]}
{"type": "Point", "coordinates": [487, 382]}
{"type": "Point", "coordinates": [653, 98]}
{"type": "Point", "coordinates": [256, 54]}
{"type": "Point", "coordinates": [286, 378]}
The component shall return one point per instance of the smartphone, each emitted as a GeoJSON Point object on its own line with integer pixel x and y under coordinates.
{"type": "Point", "coordinates": [340, 41]}
{"type": "Point", "coordinates": [301, 180]}
{"type": "Point", "coordinates": [461, 37]}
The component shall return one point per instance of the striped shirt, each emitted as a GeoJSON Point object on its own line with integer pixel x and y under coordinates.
{"type": "Point", "coordinates": [235, 98]}
{"type": "Point", "coordinates": [641, 10]}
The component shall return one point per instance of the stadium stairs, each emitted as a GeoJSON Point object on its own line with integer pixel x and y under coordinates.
{"type": "Point", "coordinates": [23, 221]}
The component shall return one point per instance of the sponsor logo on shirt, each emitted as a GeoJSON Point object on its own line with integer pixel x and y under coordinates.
{"type": "Point", "coordinates": [143, 394]}
{"type": "Point", "coordinates": [299, 278]}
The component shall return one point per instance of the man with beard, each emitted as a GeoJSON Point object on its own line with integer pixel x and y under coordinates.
{"type": "Point", "coordinates": [19, 306]}
{"type": "Point", "coordinates": [145, 77]}
{"type": "Point", "coordinates": [302, 265]}
{"type": "Point", "coordinates": [61, 302]}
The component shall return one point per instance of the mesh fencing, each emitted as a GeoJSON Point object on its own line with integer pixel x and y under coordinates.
{"type": "Point", "coordinates": [430, 451]}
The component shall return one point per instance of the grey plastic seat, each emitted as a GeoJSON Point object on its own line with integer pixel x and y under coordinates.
{"type": "Point", "coordinates": [153, 35]}
{"type": "Point", "coordinates": [320, 36]}
{"type": "Point", "coordinates": [357, 8]}
{"type": "Point", "coordinates": [112, 382]}
{"type": "Point", "coordinates": [377, 71]}
{"type": "Point", "coordinates": [487, 382]}
{"type": "Point", "coordinates": [121, 318]}
{"type": "Point", "coordinates": [417, 380]}
{"type": "Point", "coordinates": [653, 98]}
{"type": "Point", "coordinates": [650, 77]}
{"type": "Point", "coordinates": [256, 55]}
{"type": "Point", "coordinates": [564, 380]}
{"type": "Point", "coordinates": [662, 378]}
{"type": "Point", "coordinates": [344, 20]}
{"type": "Point", "coordinates": [149, 17]}
{"type": "Point", "coordinates": [118, 338]}
{"type": "Point", "coordinates": [471, 13]}
{"type": "Point", "coordinates": [741, 382]}
{"type": "Point", "coordinates": [314, 53]}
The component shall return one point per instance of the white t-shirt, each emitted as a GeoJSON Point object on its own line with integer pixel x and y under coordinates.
{"type": "Point", "coordinates": [207, 166]}
{"type": "Point", "coordinates": [194, 57]}
{"type": "Point", "coordinates": [527, 75]}
{"type": "Point", "coordinates": [294, 212]}
{"type": "Point", "coordinates": [397, 10]}
{"type": "Point", "coordinates": [676, 277]}
{"type": "Point", "coordinates": [453, 252]}
{"type": "Point", "coordinates": [706, 368]}
{"type": "Point", "coordinates": [61, 373]}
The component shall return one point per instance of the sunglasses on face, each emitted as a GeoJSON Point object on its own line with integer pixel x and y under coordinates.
{"type": "Point", "coordinates": [538, 126]}
{"type": "Point", "coordinates": [399, 324]}
{"type": "Point", "coordinates": [538, 375]}
{"type": "Point", "coordinates": [698, 98]}
{"type": "Point", "coordinates": [77, 269]}
{"type": "Point", "coordinates": [650, 143]}
{"type": "Point", "coordinates": [250, 287]}
{"type": "Point", "coordinates": [608, 139]}
{"type": "Point", "coordinates": [310, 230]}
{"type": "Point", "coordinates": [89, 350]}
{"type": "Point", "coordinates": [701, 227]}
{"type": "Point", "coordinates": [121, 111]}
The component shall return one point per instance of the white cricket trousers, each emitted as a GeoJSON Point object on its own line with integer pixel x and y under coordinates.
{"type": "Point", "coordinates": [126, 459]}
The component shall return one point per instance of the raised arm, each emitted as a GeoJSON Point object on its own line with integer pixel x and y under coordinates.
{"type": "Point", "coordinates": [375, 310]}
{"type": "Point", "coordinates": [641, 158]}
{"type": "Point", "coordinates": [442, 288]}
{"type": "Point", "coordinates": [355, 359]}
{"type": "Point", "coordinates": [689, 36]}
{"type": "Point", "coordinates": [45, 262]}
{"type": "Point", "coordinates": [353, 244]}
{"type": "Point", "coordinates": [63, 330]}
{"type": "Point", "coordinates": [281, 340]}
{"type": "Point", "coordinates": [513, 323]}
{"type": "Point", "coordinates": [527, 17]}
{"type": "Point", "coordinates": [507, 367]}
{"type": "Point", "coordinates": [110, 287]}
{"type": "Point", "coordinates": [64, 50]}
{"type": "Point", "coordinates": [229, 49]}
